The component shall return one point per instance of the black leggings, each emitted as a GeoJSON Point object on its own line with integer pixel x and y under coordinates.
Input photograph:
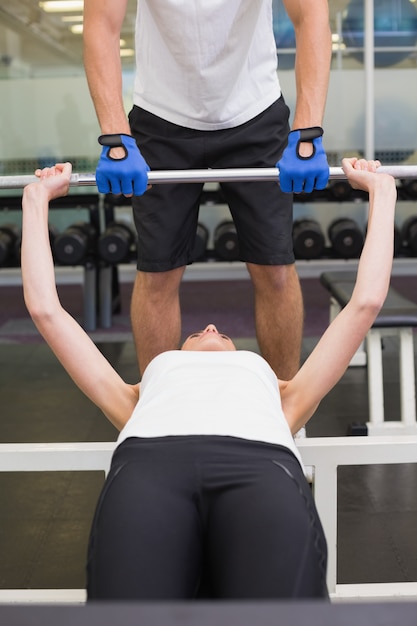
{"type": "Point", "coordinates": [173, 507]}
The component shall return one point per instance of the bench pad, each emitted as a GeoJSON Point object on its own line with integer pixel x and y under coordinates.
{"type": "Point", "coordinates": [396, 311]}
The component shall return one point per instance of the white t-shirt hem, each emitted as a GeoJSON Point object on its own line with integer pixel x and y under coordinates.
{"type": "Point", "coordinates": [175, 117]}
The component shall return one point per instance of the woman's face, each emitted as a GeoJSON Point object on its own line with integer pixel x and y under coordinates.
{"type": "Point", "coordinates": [208, 339]}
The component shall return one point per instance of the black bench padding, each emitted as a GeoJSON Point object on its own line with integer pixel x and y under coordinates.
{"type": "Point", "coordinates": [397, 310]}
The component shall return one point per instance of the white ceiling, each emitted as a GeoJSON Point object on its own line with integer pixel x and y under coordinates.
{"type": "Point", "coordinates": [31, 39]}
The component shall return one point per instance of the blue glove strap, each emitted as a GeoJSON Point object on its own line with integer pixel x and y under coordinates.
{"type": "Point", "coordinates": [298, 173]}
{"type": "Point", "coordinates": [128, 175]}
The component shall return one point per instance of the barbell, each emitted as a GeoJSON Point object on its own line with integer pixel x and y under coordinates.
{"type": "Point", "coordinates": [204, 176]}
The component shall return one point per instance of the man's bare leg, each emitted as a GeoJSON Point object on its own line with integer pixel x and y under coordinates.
{"type": "Point", "coordinates": [155, 314]}
{"type": "Point", "coordinates": [279, 316]}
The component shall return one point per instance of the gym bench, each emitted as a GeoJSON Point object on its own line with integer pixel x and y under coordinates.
{"type": "Point", "coordinates": [321, 455]}
{"type": "Point", "coordinates": [397, 318]}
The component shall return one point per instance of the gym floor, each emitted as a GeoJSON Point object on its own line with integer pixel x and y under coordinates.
{"type": "Point", "coordinates": [45, 518]}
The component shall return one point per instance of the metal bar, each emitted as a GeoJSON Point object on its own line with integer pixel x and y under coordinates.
{"type": "Point", "coordinates": [209, 175]}
{"type": "Point", "coordinates": [369, 67]}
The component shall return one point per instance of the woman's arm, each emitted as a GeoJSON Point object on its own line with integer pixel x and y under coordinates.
{"type": "Point", "coordinates": [73, 347]}
{"type": "Point", "coordinates": [332, 355]}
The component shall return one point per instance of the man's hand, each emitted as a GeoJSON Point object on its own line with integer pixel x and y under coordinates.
{"type": "Point", "coordinates": [298, 173]}
{"type": "Point", "coordinates": [127, 175]}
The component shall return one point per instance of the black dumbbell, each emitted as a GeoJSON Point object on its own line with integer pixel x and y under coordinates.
{"type": "Point", "coordinates": [9, 235]}
{"type": "Point", "coordinates": [116, 243]}
{"type": "Point", "coordinates": [397, 241]}
{"type": "Point", "coordinates": [75, 244]}
{"type": "Point", "coordinates": [200, 243]}
{"type": "Point", "coordinates": [346, 238]}
{"type": "Point", "coordinates": [409, 234]}
{"type": "Point", "coordinates": [308, 239]}
{"type": "Point", "coordinates": [340, 190]}
{"type": "Point", "coordinates": [225, 241]}
{"type": "Point", "coordinates": [53, 233]}
{"type": "Point", "coordinates": [410, 188]}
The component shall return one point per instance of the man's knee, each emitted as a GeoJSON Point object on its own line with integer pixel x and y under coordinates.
{"type": "Point", "coordinates": [159, 283]}
{"type": "Point", "coordinates": [273, 277]}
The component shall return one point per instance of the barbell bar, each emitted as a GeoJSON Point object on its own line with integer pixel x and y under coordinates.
{"type": "Point", "coordinates": [204, 176]}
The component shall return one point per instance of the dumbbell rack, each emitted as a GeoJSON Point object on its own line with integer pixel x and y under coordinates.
{"type": "Point", "coordinates": [66, 274]}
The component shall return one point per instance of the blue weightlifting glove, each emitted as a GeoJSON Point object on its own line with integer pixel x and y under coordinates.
{"type": "Point", "coordinates": [128, 175]}
{"type": "Point", "coordinates": [298, 173]}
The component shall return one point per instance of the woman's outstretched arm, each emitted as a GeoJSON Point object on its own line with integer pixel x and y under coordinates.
{"type": "Point", "coordinates": [72, 346]}
{"type": "Point", "coordinates": [333, 353]}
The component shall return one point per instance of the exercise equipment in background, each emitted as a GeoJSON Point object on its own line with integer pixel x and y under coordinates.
{"type": "Point", "coordinates": [225, 241]}
{"type": "Point", "coordinates": [75, 245]}
{"type": "Point", "coordinates": [409, 235]}
{"type": "Point", "coordinates": [117, 243]}
{"type": "Point", "coordinates": [346, 238]}
{"type": "Point", "coordinates": [308, 239]}
{"type": "Point", "coordinates": [410, 188]}
{"type": "Point", "coordinates": [9, 236]}
{"type": "Point", "coordinates": [201, 241]}
{"type": "Point", "coordinates": [395, 28]}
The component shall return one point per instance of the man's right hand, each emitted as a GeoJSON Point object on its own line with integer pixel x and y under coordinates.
{"type": "Point", "coordinates": [127, 175]}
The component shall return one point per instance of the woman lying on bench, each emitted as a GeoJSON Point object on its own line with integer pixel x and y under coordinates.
{"type": "Point", "coordinates": [206, 474]}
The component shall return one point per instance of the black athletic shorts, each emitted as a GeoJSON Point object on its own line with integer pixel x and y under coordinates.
{"type": "Point", "coordinates": [166, 215]}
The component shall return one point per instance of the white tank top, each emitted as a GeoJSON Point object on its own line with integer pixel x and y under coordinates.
{"type": "Point", "coordinates": [232, 394]}
{"type": "Point", "coordinates": [206, 64]}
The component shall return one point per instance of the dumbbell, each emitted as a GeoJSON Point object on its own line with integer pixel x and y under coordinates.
{"type": "Point", "coordinates": [200, 243]}
{"type": "Point", "coordinates": [409, 234]}
{"type": "Point", "coordinates": [340, 190]}
{"type": "Point", "coordinates": [116, 243]}
{"type": "Point", "coordinates": [398, 242]}
{"type": "Point", "coordinates": [225, 241]}
{"type": "Point", "coordinates": [308, 239]}
{"type": "Point", "coordinates": [346, 238]}
{"type": "Point", "coordinates": [75, 244]}
{"type": "Point", "coordinates": [410, 188]}
{"type": "Point", "coordinates": [9, 235]}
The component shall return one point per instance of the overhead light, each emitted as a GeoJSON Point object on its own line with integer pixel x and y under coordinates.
{"type": "Point", "coordinates": [76, 29]}
{"type": "Point", "coordinates": [72, 18]}
{"type": "Point", "coordinates": [127, 52]}
{"type": "Point", "coordinates": [61, 6]}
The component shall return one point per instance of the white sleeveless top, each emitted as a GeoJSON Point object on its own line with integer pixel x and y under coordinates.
{"type": "Point", "coordinates": [206, 64]}
{"type": "Point", "coordinates": [232, 394]}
